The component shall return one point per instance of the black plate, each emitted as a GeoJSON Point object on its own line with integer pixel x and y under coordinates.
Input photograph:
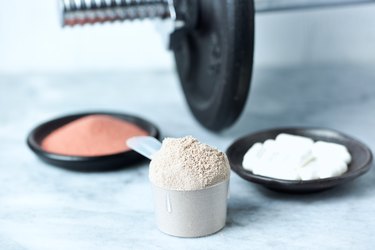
{"type": "Point", "coordinates": [214, 58]}
{"type": "Point", "coordinates": [361, 159]}
{"type": "Point", "coordinates": [82, 163]}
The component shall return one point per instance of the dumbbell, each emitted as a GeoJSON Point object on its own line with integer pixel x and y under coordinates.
{"type": "Point", "coordinates": [212, 42]}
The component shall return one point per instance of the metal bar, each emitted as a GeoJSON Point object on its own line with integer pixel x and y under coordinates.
{"type": "Point", "coordinates": [279, 5]}
{"type": "Point", "coordinates": [75, 12]}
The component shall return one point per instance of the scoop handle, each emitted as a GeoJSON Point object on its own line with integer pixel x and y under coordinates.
{"type": "Point", "coordinates": [145, 145]}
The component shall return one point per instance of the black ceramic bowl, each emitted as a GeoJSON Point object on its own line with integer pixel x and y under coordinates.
{"type": "Point", "coordinates": [361, 159]}
{"type": "Point", "coordinates": [82, 163]}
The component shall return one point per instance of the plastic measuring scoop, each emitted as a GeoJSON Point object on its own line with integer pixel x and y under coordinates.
{"type": "Point", "coordinates": [191, 213]}
{"type": "Point", "coordinates": [145, 145]}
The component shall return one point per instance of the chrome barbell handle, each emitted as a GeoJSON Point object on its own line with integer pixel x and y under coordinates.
{"type": "Point", "coordinates": [80, 12]}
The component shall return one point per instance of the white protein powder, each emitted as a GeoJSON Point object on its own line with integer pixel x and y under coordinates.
{"type": "Point", "coordinates": [186, 164]}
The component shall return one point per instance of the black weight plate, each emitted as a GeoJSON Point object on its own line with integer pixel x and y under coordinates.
{"type": "Point", "coordinates": [214, 60]}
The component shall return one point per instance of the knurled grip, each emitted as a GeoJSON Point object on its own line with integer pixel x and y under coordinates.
{"type": "Point", "coordinates": [80, 12]}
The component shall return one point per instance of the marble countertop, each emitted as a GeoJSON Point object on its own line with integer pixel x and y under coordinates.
{"type": "Point", "coordinates": [43, 207]}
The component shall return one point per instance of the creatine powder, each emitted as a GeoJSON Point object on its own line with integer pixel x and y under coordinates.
{"type": "Point", "coordinates": [92, 135]}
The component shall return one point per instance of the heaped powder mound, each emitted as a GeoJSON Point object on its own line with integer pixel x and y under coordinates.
{"type": "Point", "coordinates": [186, 164]}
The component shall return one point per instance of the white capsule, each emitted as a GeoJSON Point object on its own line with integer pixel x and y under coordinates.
{"type": "Point", "coordinates": [270, 151]}
{"type": "Point", "coordinates": [298, 145]}
{"type": "Point", "coordinates": [310, 171]}
{"type": "Point", "coordinates": [328, 168]}
{"type": "Point", "coordinates": [269, 145]}
{"type": "Point", "coordinates": [251, 158]}
{"type": "Point", "coordinates": [279, 173]}
{"type": "Point", "coordinates": [276, 165]}
{"type": "Point", "coordinates": [330, 150]}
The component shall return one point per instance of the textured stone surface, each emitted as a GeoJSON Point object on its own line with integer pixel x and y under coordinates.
{"type": "Point", "coordinates": [42, 207]}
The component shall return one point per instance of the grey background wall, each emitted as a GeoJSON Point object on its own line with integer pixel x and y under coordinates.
{"type": "Point", "coordinates": [31, 40]}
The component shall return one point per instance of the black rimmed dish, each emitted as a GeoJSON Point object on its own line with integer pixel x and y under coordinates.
{"type": "Point", "coordinates": [87, 163]}
{"type": "Point", "coordinates": [361, 159]}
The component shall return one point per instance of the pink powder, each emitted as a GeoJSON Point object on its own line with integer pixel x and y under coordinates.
{"type": "Point", "coordinates": [93, 135]}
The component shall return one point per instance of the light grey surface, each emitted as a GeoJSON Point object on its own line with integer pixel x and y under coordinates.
{"type": "Point", "coordinates": [42, 207]}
